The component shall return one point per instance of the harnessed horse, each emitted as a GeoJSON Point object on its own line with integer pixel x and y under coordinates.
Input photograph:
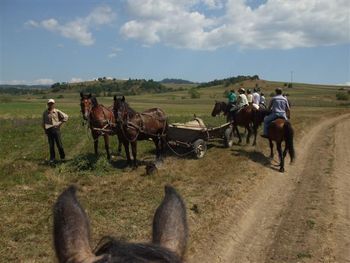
{"type": "Point", "coordinates": [135, 126]}
{"type": "Point", "coordinates": [101, 121]}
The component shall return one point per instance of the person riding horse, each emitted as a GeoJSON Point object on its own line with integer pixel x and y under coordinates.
{"type": "Point", "coordinates": [232, 99]}
{"type": "Point", "coordinates": [262, 102]}
{"type": "Point", "coordinates": [256, 99]}
{"type": "Point", "coordinates": [279, 108]}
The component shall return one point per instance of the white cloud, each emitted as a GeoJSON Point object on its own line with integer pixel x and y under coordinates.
{"type": "Point", "coordinates": [112, 55]}
{"type": "Point", "coordinates": [13, 82]}
{"type": "Point", "coordinates": [75, 80]}
{"type": "Point", "coordinates": [274, 24]}
{"type": "Point", "coordinates": [43, 81]}
{"type": "Point", "coordinates": [31, 23]}
{"type": "Point", "coordinates": [115, 51]}
{"type": "Point", "coordinates": [80, 28]}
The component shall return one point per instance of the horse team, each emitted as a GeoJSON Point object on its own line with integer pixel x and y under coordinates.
{"type": "Point", "coordinates": [130, 126]}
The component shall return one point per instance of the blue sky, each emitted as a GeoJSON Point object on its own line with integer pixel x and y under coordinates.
{"type": "Point", "coordinates": [46, 41]}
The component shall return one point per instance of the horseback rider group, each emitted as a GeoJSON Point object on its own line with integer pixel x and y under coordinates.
{"type": "Point", "coordinates": [279, 105]}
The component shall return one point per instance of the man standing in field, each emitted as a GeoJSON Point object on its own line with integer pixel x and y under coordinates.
{"type": "Point", "coordinates": [52, 121]}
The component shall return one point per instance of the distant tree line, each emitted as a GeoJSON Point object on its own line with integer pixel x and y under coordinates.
{"type": "Point", "coordinates": [176, 81]}
{"type": "Point", "coordinates": [105, 87]}
{"type": "Point", "coordinates": [21, 90]}
{"type": "Point", "coordinates": [227, 81]}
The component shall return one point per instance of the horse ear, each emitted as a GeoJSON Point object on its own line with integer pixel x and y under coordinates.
{"type": "Point", "coordinates": [71, 229]}
{"type": "Point", "coordinates": [115, 97]}
{"type": "Point", "coordinates": [89, 96]}
{"type": "Point", "coordinates": [81, 94]}
{"type": "Point", "coordinates": [170, 229]}
{"type": "Point", "coordinates": [123, 99]}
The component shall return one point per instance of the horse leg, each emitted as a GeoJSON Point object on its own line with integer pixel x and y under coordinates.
{"type": "Point", "coordinates": [280, 154]}
{"type": "Point", "coordinates": [255, 130]}
{"type": "Point", "coordinates": [271, 149]}
{"type": "Point", "coordinates": [134, 152]}
{"type": "Point", "coordinates": [238, 135]}
{"type": "Point", "coordinates": [119, 139]}
{"type": "Point", "coordinates": [285, 151]}
{"type": "Point", "coordinates": [127, 151]}
{"type": "Point", "coordinates": [106, 138]}
{"type": "Point", "coordinates": [158, 143]}
{"type": "Point", "coordinates": [95, 137]}
{"type": "Point", "coordinates": [248, 128]}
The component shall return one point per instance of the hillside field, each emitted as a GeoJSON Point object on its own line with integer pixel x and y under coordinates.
{"type": "Point", "coordinates": [119, 201]}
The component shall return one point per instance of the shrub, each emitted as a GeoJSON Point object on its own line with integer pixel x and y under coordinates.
{"type": "Point", "coordinates": [194, 93]}
{"type": "Point", "coordinates": [60, 96]}
{"type": "Point", "coordinates": [342, 96]}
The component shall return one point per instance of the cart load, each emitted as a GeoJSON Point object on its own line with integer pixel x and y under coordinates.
{"type": "Point", "coordinates": [194, 136]}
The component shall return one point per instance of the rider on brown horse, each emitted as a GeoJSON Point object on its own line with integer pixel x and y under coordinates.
{"type": "Point", "coordinates": [279, 108]}
{"type": "Point", "coordinates": [241, 103]}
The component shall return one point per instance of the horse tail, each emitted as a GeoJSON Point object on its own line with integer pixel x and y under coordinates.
{"type": "Point", "coordinates": [289, 136]}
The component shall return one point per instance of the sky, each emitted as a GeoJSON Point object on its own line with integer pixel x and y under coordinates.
{"type": "Point", "coordinates": [48, 41]}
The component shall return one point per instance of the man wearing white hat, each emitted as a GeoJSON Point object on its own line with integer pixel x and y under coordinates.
{"type": "Point", "coordinates": [52, 121]}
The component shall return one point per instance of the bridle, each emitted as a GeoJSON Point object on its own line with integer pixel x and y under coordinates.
{"type": "Point", "coordinates": [87, 110]}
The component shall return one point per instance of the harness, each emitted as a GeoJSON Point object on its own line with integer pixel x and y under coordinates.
{"type": "Point", "coordinates": [140, 127]}
{"type": "Point", "coordinates": [108, 126]}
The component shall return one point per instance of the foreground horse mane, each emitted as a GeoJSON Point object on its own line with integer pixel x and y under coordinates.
{"type": "Point", "coordinates": [121, 251]}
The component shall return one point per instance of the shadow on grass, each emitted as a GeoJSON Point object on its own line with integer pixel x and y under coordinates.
{"type": "Point", "coordinates": [255, 156]}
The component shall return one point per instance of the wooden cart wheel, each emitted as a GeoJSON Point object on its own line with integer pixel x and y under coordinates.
{"type": "Point", "coordinates": [228, 137]}
{"type": "Point", "coordinates": [200, 148]}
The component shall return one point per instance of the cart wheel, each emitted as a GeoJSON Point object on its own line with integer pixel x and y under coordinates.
{"type": "Point", "coordinates": [200, 148]}
{"type": "Point", "coordinates": [228, 137]}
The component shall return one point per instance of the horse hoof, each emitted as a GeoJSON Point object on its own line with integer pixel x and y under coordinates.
{"type": "Point", "coordinates": [282, 170]}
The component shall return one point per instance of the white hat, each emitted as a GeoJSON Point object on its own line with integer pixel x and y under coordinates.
{"type": "Point", "coordinates": [50, 101]}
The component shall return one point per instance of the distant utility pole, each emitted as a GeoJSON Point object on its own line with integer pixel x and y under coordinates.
{"type": "Point", "coordinates": [291, 79]}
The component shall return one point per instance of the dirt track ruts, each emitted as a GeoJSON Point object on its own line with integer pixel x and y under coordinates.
{"type": "Point", "coordinates": [302, 215]}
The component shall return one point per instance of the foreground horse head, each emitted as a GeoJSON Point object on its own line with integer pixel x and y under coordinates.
{"type": "Point", "coordinates": [72, 234]}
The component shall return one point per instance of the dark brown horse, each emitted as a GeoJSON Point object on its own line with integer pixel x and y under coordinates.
{"type": "Point", "coordinates": [243, 118]}
{"type": "Point", "coordinates": [72, 234]}
{"type": "Point", "coordinates": [101, 121]}
{"type": "Point", "coordinates": [149, 124]}
{"type": "Point", "coordinates": [279, 130]}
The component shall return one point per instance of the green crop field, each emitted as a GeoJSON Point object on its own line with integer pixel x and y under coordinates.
{"type": "Point", "coordinates": [120, 201]}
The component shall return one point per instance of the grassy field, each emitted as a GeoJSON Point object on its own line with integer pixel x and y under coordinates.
{"type": "Point", "coordinates": [121, 202]}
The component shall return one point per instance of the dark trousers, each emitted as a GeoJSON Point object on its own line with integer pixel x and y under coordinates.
{"type": "Point", "coordinates": [54, 136]}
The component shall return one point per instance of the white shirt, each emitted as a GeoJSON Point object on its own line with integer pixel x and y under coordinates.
{"type": "Point", "coordinates": [256, 98]}
{"type": "Point", "coordinates": [242, 100]}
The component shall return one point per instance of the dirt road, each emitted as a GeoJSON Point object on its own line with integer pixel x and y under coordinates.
{"type": "Point", "coordinates": [302, 215]}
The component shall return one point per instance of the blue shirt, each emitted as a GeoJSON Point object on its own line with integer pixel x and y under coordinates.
{"type": "Point", "coordinates": [279, 104]}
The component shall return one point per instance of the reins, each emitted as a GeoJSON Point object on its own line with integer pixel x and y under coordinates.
{"type": "Point", "coordinates": [141, 127]}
